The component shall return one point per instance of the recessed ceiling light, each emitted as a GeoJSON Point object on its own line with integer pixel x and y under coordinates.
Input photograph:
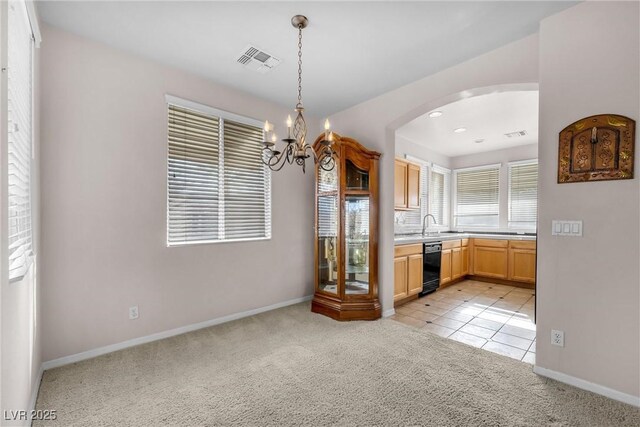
{"type": "Point", "coordinates": [435, 114]}
{"type": "Point", "coordinates": [478, 141]}
{"type": "Point", "coordinates": [460, 130]}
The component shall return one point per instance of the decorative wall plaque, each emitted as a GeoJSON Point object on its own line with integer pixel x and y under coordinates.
{"type": "Point", "coordinates": [597, 148]}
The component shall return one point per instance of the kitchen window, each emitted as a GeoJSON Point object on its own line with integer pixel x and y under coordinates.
{"type": "Point", "coordinates": [477, 203]}
{"type": "Point", "coordinates": [218, 189]}
{"type": "Point", "coordinates": [523, 194]}
{"type": "Point", "coordinates": [434, 197]}
{"type": "Point", "coordinates": [439, 194]}
{"type": "Point", "coordinates": [20, 45]}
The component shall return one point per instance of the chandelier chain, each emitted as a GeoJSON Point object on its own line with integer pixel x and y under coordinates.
{"type": "Point", "coordinates": [299, 66]}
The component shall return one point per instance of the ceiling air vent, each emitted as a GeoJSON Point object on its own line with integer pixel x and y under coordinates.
{"type": "Point", "coordinates": [515, 134]}
{"type": "Point", "coordinates": [258, 60]}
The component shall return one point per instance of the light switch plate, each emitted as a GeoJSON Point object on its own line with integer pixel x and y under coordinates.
{"type": "Point", "coordinates": [566, 228]}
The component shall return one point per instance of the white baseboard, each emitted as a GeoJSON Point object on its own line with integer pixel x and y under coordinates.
{"type": "Point", "coordinates": [389, 313]}
{"type": "Point", "coordinates": [166, 334]}
{"type": "Point", "coordinates": [589, 386]}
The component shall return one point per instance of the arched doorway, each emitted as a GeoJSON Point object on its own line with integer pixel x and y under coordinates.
{"type": "Point", "coordinates": [477, 155]}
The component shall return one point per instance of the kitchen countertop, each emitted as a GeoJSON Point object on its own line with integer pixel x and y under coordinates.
{"type": "Point", "coordinates": [407, 239]}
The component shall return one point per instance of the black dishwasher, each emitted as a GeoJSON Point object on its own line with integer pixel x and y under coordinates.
{"type": "Point", "coordinates": [431, 255]}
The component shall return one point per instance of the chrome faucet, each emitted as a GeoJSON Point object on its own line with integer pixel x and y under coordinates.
{"type": "Point", "coordinates": [424, 225]}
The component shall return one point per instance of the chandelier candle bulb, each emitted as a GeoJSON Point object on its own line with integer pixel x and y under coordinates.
{"type": "Point", "coordinates": [327, 126]}
{"type": "Point", "coordinates": [289, 123]}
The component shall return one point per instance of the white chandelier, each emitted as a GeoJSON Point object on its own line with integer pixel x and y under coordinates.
{"type": "Point", "coordinates": [297, 149]}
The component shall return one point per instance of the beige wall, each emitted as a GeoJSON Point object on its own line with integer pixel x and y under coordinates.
{"type": "Point", "coordinates": [20, 349]}
{"type": "Point", "coordinates": [374, 122]}
{"type": "Point", "coordinates": [104, 206]}
{"type": "Point", "coordinates": [406, 146]}
{"type": "Point", "coordinates": [504, 156]}
{"type": "Point", "coordinates": [589, 287]}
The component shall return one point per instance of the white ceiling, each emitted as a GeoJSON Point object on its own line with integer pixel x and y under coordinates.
{"type": "Point", "coordinates": [353, 51]}
{"type": "Point", "coordinates": [486, 117]}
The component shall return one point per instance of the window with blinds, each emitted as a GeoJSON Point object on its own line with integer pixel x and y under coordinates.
{"type": "Point", "coordinates": [218, 187]}
{"type": "Point", "coordinates": [439, 195]}
{"type": "Point", "coordinates": [523, 195]}
{"type": "Point", "coordinates": [20, 44]}
{"type": "Point", "coordinates": [477, 197]}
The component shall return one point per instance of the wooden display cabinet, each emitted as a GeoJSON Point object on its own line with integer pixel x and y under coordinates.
{"type": "Point", "coordinates": [346, 234]}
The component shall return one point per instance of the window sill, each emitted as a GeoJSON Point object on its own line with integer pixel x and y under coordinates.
{"type": "Point", "coordinates": [215, 242]}
{"type": "Point", "coordinates": [30, 263]}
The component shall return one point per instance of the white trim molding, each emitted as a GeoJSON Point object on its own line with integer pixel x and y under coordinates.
{"type": "Point", "coordinates": [35, 388]}
{"type": "Point", "coordinates": [35, 23]}
{"type": "Point", "coordinates": [589, 386]}
{"type": "Point", "coordinates": [206, 109]}
{"type": "Point", "coordinates": [90, 354]}
{"type": "Point", "coordinates": [389, 313]}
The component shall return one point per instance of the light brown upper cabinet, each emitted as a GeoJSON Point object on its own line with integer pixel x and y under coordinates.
{"type": "Point", "coordinates": [400, 177]}
{"type": "Point", "coordinates": [413, 186]}
{"type": "Point", "coordinates": [407, 185]}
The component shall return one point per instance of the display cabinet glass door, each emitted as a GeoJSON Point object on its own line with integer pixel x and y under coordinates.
{"type": "Point", "coordinates": [356, 210]}
{"type": "Point", "coordinates": [356, 179]}
{"type": "Point", "coordinates": [328, 220]}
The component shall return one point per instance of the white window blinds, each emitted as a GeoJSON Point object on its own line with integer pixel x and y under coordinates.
{"type": "Point", "coordinates": [193, 185]}
{"type": "Point", "coordinates": [523, 195]}
{"type": "Point", "coordinates": [20, 117]}
{"type": "Point", "coordinates": [246, 202]}
{"type": "Point", "coordinates": [218, 187]}
{"type": "Point", "coordinates": [477, 197]}
{"type": "Point", "coordinates": [439, 195]}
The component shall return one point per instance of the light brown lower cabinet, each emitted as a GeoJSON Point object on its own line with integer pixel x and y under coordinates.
{"type": "Point", "coordinates": [400, 274]}
{"type": "Point", "coordinates": [414, 277]}
{"type": "Point", "coordinates": [465, 260]}
{"type": "Point", "coordinates": [407, 271]}
{"type": "Point", "coordinates": [445, 267]}
{"type": "Point", "coordinates": [522, 261]}
{"type": "Point", "coordinates": [456, 263]}
{"type": "Point", "coordinates": [513, 260]}
{"type": "Point", "coordinates": [490, 258]}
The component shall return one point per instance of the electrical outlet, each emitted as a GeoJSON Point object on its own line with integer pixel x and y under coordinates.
{"type": "Point", "coordinates": [133, 312]}
{"type": "Point", "coordinates": [557, 338]}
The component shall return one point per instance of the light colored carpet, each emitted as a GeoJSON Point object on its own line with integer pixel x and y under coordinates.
{"type": "Point", "coordinates": [292, 367]}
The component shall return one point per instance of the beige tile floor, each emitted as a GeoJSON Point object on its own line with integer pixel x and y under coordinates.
{"type": "Point", "coordinates": [494, 317]}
